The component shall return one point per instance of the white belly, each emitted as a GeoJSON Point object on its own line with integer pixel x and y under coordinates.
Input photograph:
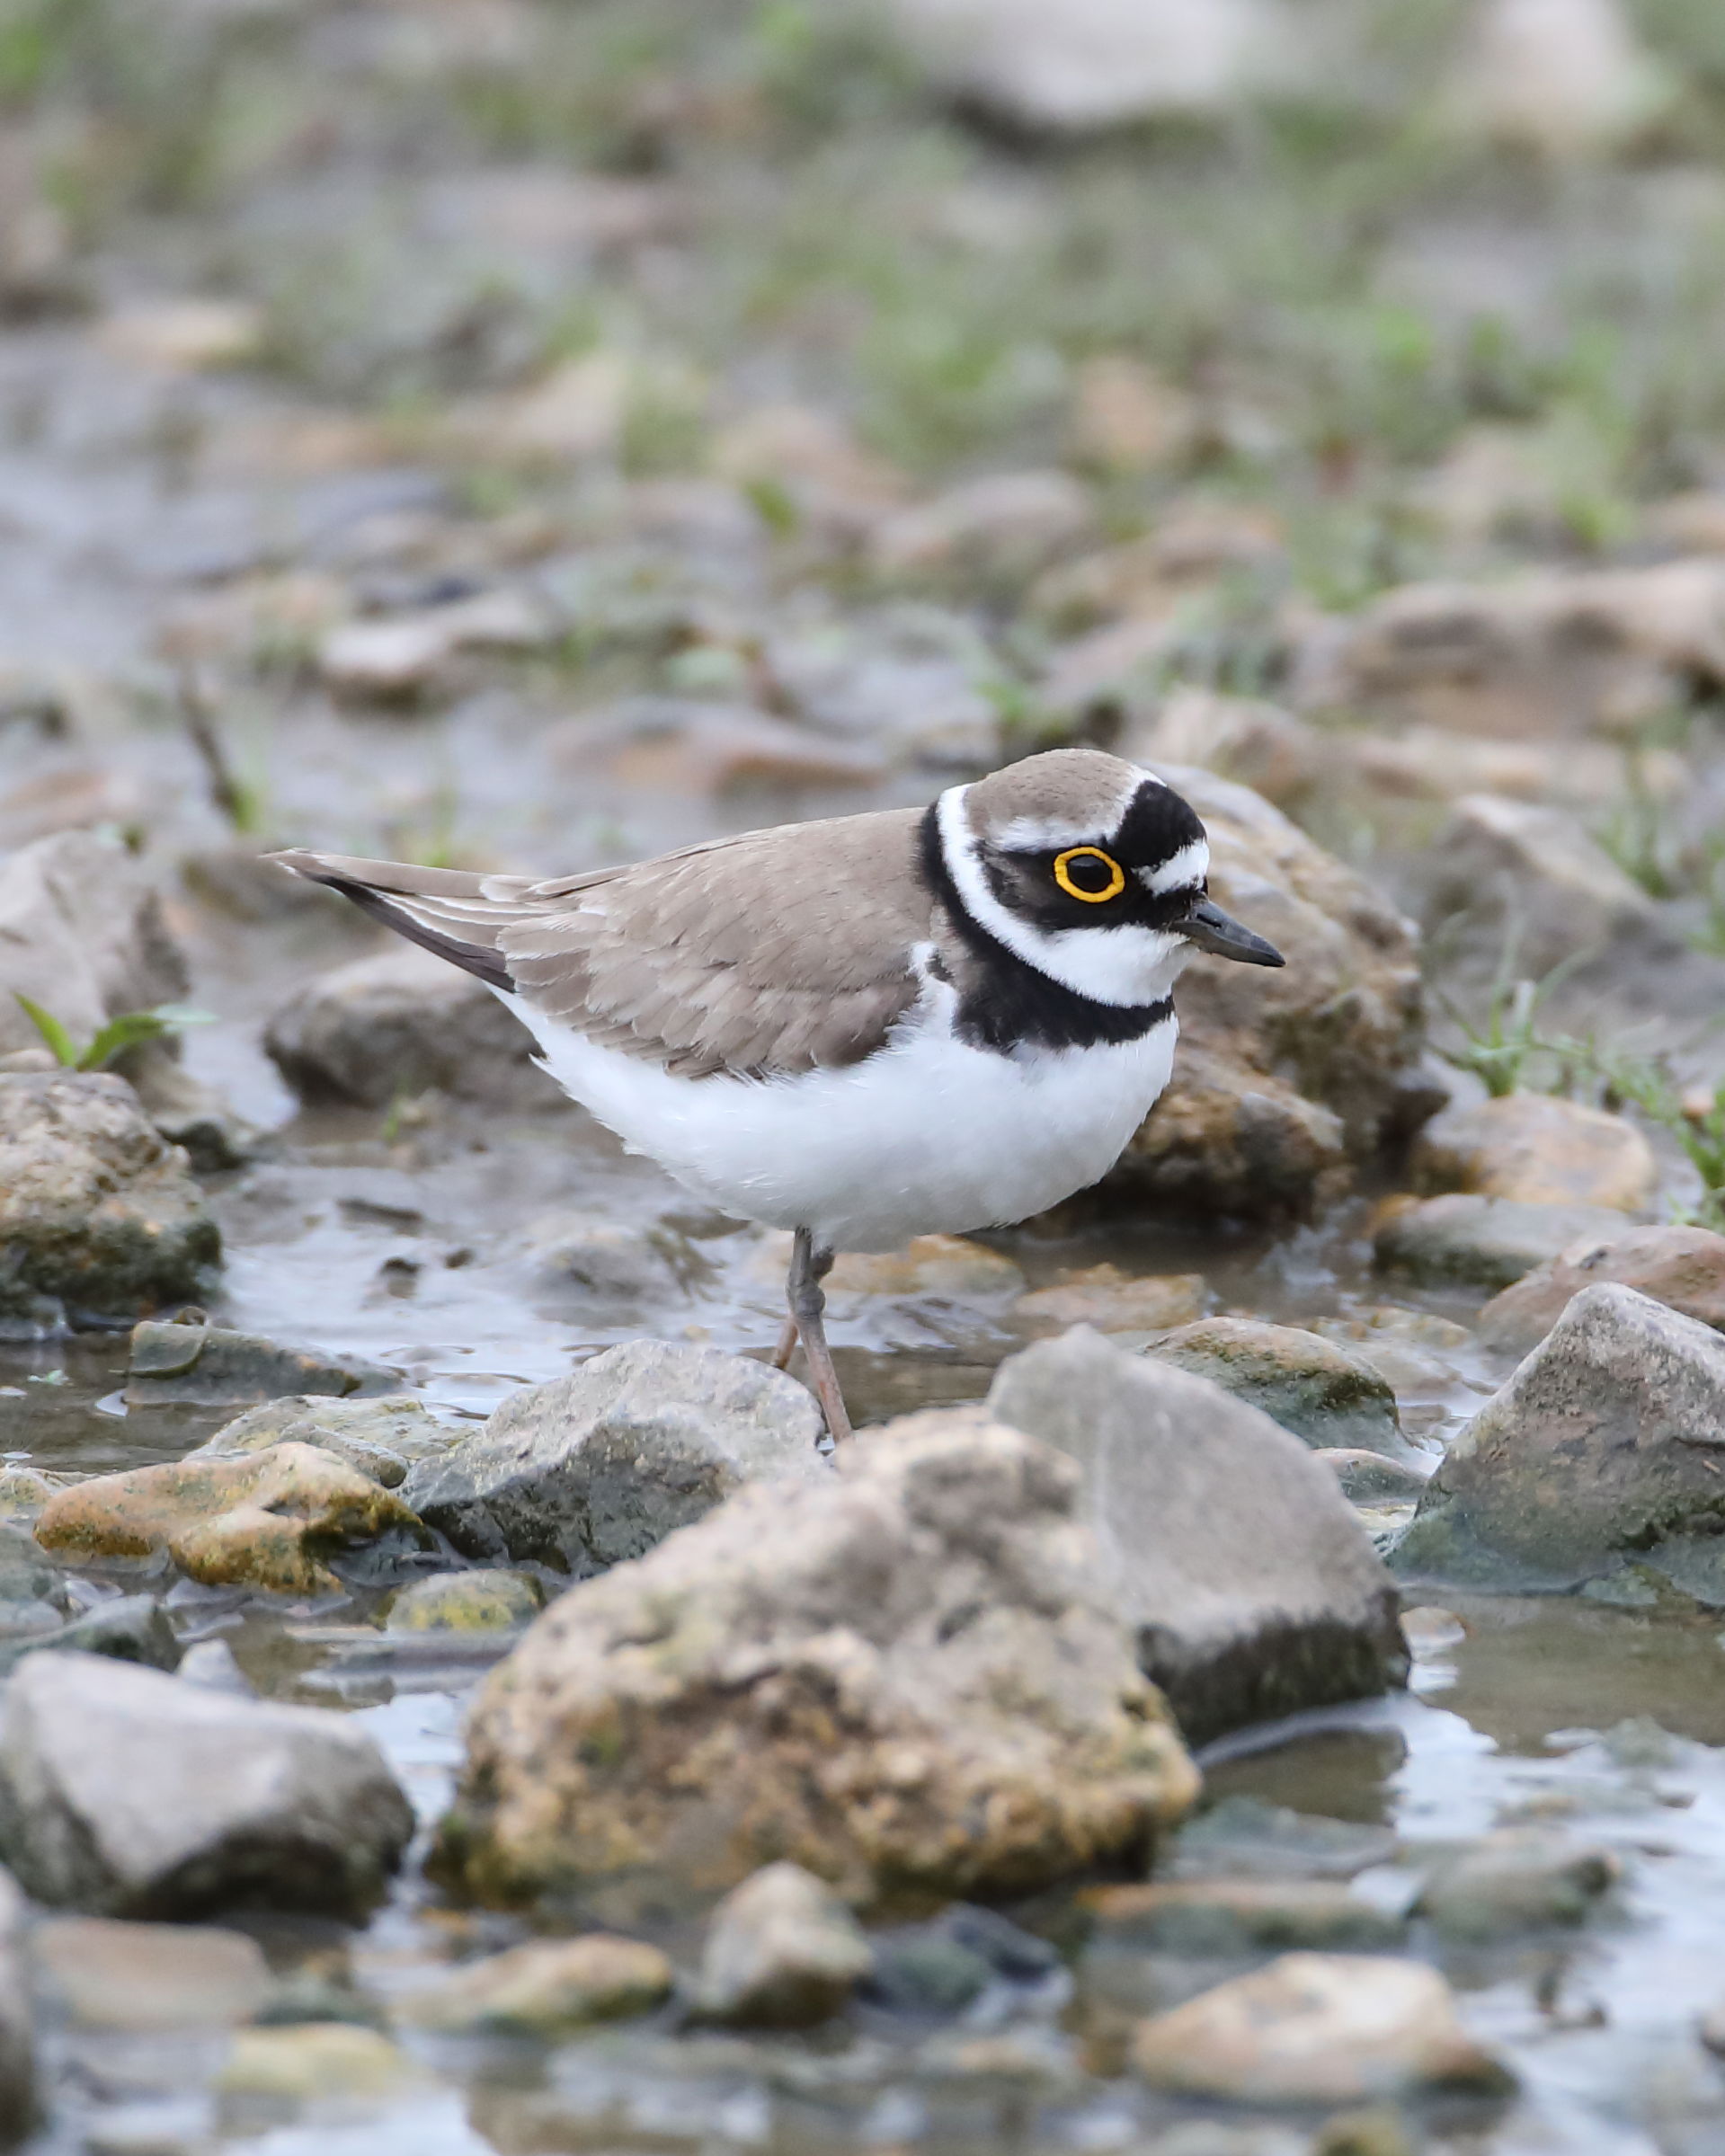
{"type": "Point", "coordinates": [927, 1136]}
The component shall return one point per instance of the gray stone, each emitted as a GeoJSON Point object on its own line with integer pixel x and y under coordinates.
{"type": "Point", "coordinates": [599, 1466]}
{"type": "Point", "coordinates": [125, 1793]}
{"type": "Point", "coordinates": [99, 1218]}
{"type": "Point", "coordinates": [201, 1365]}
{"type": "Point", "coordinates": [17, 2020]}
{"type": "Point", "coordinates": [900, 1675]}
{"type": "Point", "coordinates": [131, 1627]}
{"type": "Point", "coordinates": [1463, 1240]}
{"type": "Point", "coordinates": [1517, 875]}
{"type": "Point", "coordinates": [1607, 1444]}
{"type": "Point", "coordinates": [151, 1979]}
{"type": "Point", "coordinates": [380, 1436]}
{"type": "Point", "coordinates": [405, 1022]}
{"type": "Point", "coordinates": [1518, 1881]}
{"type": "Point", "coordinates": [1366, 1478]}
{"type": "Point", "coordinates": [211, 1663]}
{"type": "Point", "coordinates": [1313, 1386]}
{"type": "Point", "coordinates": [782, 1952]}
{"type": "Point", "coordinates": [1682, 1267]}
{"type": "Point", "coordinates": [1250, 1585]}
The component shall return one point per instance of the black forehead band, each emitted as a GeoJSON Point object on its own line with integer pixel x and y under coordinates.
{"type": "Point", "coordinates": [1157, 825]}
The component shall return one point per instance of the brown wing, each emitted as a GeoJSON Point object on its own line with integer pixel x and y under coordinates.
{"type": "Point", "coordinates": [779, 951]}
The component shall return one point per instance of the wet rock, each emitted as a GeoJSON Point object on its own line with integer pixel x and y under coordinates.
{"type": "Point", "coordinates": [547, 1986]}
{"type": "Point", "coordinates": [1609, 1439]}
{"type": "Point", "coordinates": [150, 1978]}
{"type": "Point", "coordinates": [468, 1601]}
{"type": "Point", "coordinates": [1097, 64]}
{"type": "Point", "coordinates": [314, 2060]}
{"type": "Point", "coordinates": [1284, 1084]}
{"type": "Point", "coordinates": [1368, 1477]}
{"type": "Point", "coordinates": [1516, 1882]}
{"type": "Point", "coordinates": [898, 1675]}
{"type": "Point", "coordinates": [202, 1365]}
{"type": "Point", "coordinates": [99, 1219]}
{"type": "Point", "coordinates": [1538, 1148]}
{"type": "Point", "coordinates": [1105, 1296]}
{"type": "Point", "coordinates": [1002, 528]}
{"type": "Point", "coordinates": [941, 1967]}
{"type": "Point", "coordinates": [1317, 2028]}
{"type": "Point", "coordinates": [1463, 1240]}
{"type": "Point", "coordinates": [130, 1628]}
{"type": "Point", "coordinates": [269, 1520]}
{"type": "Point", "coordinates": [782, 1952]}
{"type": "Point", "coordinates": [1562, 77]}
{"type": "Point", "coordinates": [1251, 1587]}
{"type": "Point", "coordinates": [1240, 1916]}
{"type": "Point", "coordinates": [404, 1022]}
{"type": "Point", "coordinates": [366, 1430]}
{"type": "Point", "coordinates": [1516, 874]}
{"type": "Point", "coordinates": [1682, 1267]}
{"type": "Point", "coordinates": [1411, 1350]}
{"type": "Point", "coordinates": [1308, 1385]}
{"type": "Point", "coordinates": [597, 1466]}
{"type": "Point", "coordinates": [125, 1793]}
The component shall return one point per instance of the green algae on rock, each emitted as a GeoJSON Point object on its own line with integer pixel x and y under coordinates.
{"type": "Point", "coordinates": [267, 1520]}
{"type": "Point", "coordinates": [902, 1676]}
{"type": "Point", "coordinates": [466, 1601]}
{"type": "Point", "coordinates": [1313, 1386]}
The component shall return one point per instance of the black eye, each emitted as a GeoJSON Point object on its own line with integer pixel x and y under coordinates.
{"type": "Point", "coordinates": [1087, 872]}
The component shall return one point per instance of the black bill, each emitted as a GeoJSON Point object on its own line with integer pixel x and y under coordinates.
{"type": "Point", "coordinates": [1208, 928]}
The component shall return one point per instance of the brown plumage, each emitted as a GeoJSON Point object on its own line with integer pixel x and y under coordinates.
{"type": "Point", "coordinates": [783, 950]}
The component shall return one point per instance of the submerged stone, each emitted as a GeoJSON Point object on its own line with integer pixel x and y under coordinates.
{"type": "Point", "coordinates": [468, 1601]}
{"type": "Point", "coordinates": [203, 1365]}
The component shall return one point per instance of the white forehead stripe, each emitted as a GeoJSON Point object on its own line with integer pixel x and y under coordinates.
{"type": "Point", "coordinates": [1048, 834]}
{"type": "Point", "coordinates": [1125, 966]}
{"type": "Point", "coordinates": [1183, 871]}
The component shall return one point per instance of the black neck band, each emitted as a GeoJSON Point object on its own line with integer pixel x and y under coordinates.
{"type": "Point", "coordinates": [1011, 1003]}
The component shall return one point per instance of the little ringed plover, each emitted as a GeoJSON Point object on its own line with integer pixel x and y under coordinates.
{"type": "Point", "coordinates": [863, 1029]}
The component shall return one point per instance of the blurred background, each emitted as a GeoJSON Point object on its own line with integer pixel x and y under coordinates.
{"type": "Point", "coordinates": [532, 432]}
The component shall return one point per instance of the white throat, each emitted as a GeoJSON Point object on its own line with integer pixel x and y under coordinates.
{"type": "Point", "coordinates": [1123, 966]}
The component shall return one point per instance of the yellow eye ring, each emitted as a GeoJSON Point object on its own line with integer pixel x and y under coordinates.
{"type": "Point", "coordinates": [1115, 885]}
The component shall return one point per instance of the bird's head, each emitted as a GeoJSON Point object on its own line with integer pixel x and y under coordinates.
{"type": "Point", "coordinates": [1091, 870]}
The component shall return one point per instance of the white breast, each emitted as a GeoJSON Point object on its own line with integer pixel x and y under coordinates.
{"type": "Point", "coordinates": [927, 1136]}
